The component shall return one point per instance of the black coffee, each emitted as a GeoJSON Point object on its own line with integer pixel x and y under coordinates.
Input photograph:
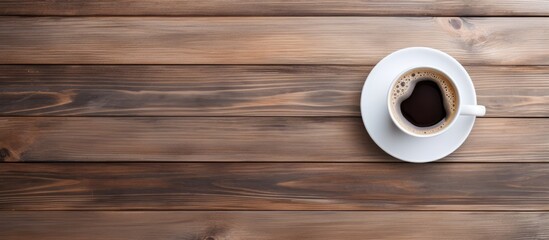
{"type": "Point", "coordinates": [423, 101]}
{"type": "Point", "coordinates": [425, 106]}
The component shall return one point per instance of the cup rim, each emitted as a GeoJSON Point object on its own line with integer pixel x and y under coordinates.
{"type": "Point", "coordinates": [392, 116]}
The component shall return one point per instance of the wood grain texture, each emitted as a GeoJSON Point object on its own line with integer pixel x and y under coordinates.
{"type": "Point", "coordinates": [275, 8]}
{"type": "Point", "coordinates": [213, 225]}
{"type": "Point", "coordinates": [245, 139]}
{"type": "Point", "coordinates": [267, 40]}
{"type": "Point", "coordinates": [221, 90]}
{"type": "Point", "coordinates": [274, 186]}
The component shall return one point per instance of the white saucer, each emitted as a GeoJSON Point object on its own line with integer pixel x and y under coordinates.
{"type": "Point", "coordinates": [373, 106]}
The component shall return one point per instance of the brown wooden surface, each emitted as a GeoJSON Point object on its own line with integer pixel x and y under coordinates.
{"type": "Point", "coordinates": [268, 40]}
{"type": "Point", "coordinates": [274, 186]}
{"type": "Point", "coordinates": [244, 90]}
{"type": "Point", "coordinates": [211, 120]}
{"type": "Point", "coordinates": [275, 8]}
{"type": "Point", "coordinates": [245, 139]}
{"type": "Point", "coordinates": [273, 225]}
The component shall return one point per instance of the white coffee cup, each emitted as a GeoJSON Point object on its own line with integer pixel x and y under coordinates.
{"type": "Point", "coordinates": [459, 110]}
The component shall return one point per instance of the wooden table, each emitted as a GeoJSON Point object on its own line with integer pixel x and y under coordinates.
{"type": "Point", "coordinates": [210, 120]}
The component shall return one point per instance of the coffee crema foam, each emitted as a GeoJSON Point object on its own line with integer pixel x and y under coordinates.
{"type": "Point", "coordinates": [403, 88]}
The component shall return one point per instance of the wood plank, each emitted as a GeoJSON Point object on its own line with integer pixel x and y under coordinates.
{"type": "Point", "coordinates": [275, 8]}
{"type": "Point", "coordinates": [274, 186]}
{"type": "Point", "coordinates": [242, 90]}
{"type": "Point", "coordinates": [267, 40]}
{"type": "Point", "coordinates": [273, 225]}
{"type": "Point", "coordinates": [242, 139]}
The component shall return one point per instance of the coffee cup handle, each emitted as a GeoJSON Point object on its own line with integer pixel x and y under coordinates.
{"type": "Point", "coordinates": [473, 110]}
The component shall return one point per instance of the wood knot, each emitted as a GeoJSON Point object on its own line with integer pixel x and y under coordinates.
{"type": "Point", "coordinates": [209, 238]}
{"type": "Point", "coordinates": [4, 153]}
{"type": "Point", "coordinates": [455, 23]}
